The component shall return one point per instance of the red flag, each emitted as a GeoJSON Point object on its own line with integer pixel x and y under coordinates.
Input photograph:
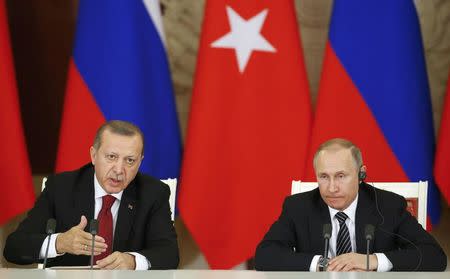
{"type": "Point", "coordinates": [17, 193]}
{"type": "Point", "coordinates": [248, 128]}
{"type": "Point", "coordinates": [441, 173]}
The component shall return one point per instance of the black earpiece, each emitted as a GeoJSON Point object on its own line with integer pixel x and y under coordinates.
{"type": "Point", "coordinates": [362, 175]}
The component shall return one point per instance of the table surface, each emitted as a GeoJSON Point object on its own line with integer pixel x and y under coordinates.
{"type": "Point", "coordinates": [209, 274]}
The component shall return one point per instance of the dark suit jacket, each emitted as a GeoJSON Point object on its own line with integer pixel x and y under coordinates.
{"type": "Point", "coordinates": [301, 222]}
{"type": "Point", "coordinates": [143, 223]}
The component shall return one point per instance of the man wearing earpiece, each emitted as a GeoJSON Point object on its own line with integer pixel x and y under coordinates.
{"type": "Point", "coordinates": [295, 242]}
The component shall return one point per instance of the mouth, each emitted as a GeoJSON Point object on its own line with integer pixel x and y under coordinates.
{"type": "Point", "coordinates": [115, 181]}
{"type": "Point", "coordinates": [333, 199]}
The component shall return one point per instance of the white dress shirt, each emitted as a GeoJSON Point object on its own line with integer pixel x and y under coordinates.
{"type": "Point", "coordinates": [141, 261]}
{"type": "Point", "coordinates": [383, 262]}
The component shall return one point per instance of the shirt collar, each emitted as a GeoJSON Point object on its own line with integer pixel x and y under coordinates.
{"type": "Point", "coordinates": [350, 210]}
{"type": "Point", "coordinates": [99, 192]}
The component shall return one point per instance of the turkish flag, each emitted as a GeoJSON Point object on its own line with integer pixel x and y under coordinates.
{"type": "Point", "coordinates": [17, 194]}
{"type": "Point", "coordinates": [248, 129]}
{"type": "Point", "coordinates": [441, 173]}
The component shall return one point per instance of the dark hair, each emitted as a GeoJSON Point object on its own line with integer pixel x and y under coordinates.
{"type": "Point", "coordinates": [118, 127]}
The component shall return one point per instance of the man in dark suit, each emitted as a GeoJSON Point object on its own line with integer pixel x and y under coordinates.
{"type": "Point", "coordinates": [135, 226]}
{"type": "Point", "coordinates": [295, 241]}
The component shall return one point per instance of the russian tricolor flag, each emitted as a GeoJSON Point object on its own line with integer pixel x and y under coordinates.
{"type": "Point", "coordinates": [374, 91]}
{"type": "Point", "coordinates": [120, 71]}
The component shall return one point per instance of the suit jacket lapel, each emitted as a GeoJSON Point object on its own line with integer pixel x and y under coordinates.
{"type": "Point", "coordinates": [318, 222]}
{"type": "Point", "coordinates": [365, 214]}
{"type": "Point", "coordinates": [127, 210]}
{"type": "Point", "coordinates": [83, 196]}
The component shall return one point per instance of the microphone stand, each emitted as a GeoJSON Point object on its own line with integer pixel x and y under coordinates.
{"type": "Point", "coordinates": [51, 225]}
{"type": "Point", "coordinates": [323, 262]}
{"type": "Point", "coordinates": [325, 252]}
{"type": "Point", "coordinates": [367, 255]}
{"type": "Point", "coordinates": [369, 232]}
{"type": "Point", "coordinates": [93, 230]}
{"type": "Point", "coordinates": [46, 251]}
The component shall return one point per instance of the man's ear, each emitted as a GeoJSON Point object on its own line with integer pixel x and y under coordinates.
{"type": "Point", "coordinates": [362, 173]}
{"type": "Point", "coordinates": [93, 154]}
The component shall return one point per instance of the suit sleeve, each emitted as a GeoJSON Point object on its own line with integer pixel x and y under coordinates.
{"type": "Point", "coordinates": [276, 251]}
{"type": "Point", "coordinates": [417, 249]}
{"type": "Point", "coordinates": [23, 245]}
{"type": "Point", "coordinates": [161, 247]}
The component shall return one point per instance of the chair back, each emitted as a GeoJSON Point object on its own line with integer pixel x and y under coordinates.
{"type": "Point", "coordinates": [172, 183]}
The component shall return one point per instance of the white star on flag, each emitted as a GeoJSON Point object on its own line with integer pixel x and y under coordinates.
{"type": "Point", "coordinates": [244, 37]}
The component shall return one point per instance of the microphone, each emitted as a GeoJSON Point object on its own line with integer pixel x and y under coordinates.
{"type": "Point", "coordinates": [51, 225]}
{"type": "Point", "coordinates": [93, 228]}
{"type": "Point", "coordinates": [326, 235]}
{"type": "Point", "coordinates": [369, 232]}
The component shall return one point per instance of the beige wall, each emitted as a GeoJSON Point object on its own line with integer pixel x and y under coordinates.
{"type": "Point", "coordinates": [182, 21]}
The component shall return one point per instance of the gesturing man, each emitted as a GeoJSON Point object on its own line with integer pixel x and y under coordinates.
{"type": "Point", "coordinates": [133, 212]}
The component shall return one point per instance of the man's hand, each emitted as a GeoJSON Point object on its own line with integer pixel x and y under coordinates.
{"type": "Point", "coordinates": [352, 262]}
{"type": "Point", "coordinates": [78, 242]}
{"type": "Point", "coordinates": [117, 260]}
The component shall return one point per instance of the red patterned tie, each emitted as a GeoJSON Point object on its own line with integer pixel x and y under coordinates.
{"type": "Point", "coordinates": [105, 225]}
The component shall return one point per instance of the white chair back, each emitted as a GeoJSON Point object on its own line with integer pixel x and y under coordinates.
{"type": "Point", "coordinates": [172, 182]}
{"type": "Point", "coordinates": [415, 194]}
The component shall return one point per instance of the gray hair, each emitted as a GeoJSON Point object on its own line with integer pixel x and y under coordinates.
{"type": "Point", "coordinates": [343, 143]}
{"type": "Point", "coordinates": [118, 127]}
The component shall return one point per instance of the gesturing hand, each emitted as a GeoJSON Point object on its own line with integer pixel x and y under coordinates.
{"type": "Point", "coordinates": [78, 242]}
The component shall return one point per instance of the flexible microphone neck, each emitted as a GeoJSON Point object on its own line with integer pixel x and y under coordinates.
{"type": "Point", "coordinates": [50, 229]}
{"type": "Point", "coordinates": [369, 232]}
{"type": "Point", "coordinates": [93, 228]}
{"type": "Point", "coordinates": [326, 236]}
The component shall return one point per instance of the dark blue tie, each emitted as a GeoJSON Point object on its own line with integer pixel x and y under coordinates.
{"type": "Point", "coordinates": [343, 243]}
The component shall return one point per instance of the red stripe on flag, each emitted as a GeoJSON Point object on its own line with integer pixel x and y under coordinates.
{"type": "Point", "coordinates": [342, 113]}
{"type": "Point", "coordinates": [441, 168]}
{"type": "Point", "coordinates": [17, 194]}
{"type": "Point", "coordinates": [81, 119]}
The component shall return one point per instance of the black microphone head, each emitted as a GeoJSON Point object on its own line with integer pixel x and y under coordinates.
{"type": "Point", "coordinates": [369, 231]}
{"type": "Point", "coordinates": [327, 231]}
{"type": "Point", "coordinates": [93, 226]}
{"type": "Point", "coordinates": [51, 226]}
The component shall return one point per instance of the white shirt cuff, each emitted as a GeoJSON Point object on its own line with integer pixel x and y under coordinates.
{"type": "Point", "coordinates": [51, 249]}
{"type": "Point", "coordinates": [314, 262]}
{"type": "Point", "coordinates": [141, 261]}
{"type": "Point", "coordinates": [384, 264]}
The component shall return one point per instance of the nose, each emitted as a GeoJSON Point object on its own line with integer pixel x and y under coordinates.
{"type": "Point", "coordinates": [118, 167]}
{"type": "Point", "coordinates": [332, 186]}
